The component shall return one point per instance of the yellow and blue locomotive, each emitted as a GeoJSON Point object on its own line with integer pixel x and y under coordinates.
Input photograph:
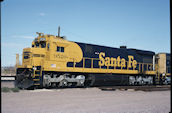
{"type": "Point", "coordinates": [53, 61]}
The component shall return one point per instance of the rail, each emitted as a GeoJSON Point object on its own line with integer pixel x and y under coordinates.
{"type": "Point", "coordinates": [137, 88]}
{"type": "Point", "coordinates": [8, 78]}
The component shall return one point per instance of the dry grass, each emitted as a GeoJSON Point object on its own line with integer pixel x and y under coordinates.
{"type": "Point", "coordinates": [7, 89]}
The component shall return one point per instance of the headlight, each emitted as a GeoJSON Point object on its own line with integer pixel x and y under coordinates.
{"type": "Point", "coordinates": [34, 68]}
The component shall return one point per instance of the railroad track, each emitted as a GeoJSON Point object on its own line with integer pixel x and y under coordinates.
{"type": "Point", "coordinates": [8, 78]}
{"type": "Point", "coordinates": [137, 88]}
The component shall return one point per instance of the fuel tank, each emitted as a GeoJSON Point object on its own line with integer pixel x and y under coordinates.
{"type": "Point", "coordinates": [108, 79]}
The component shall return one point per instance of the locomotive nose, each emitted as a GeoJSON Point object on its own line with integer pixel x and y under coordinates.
{"type": "Point", "coordinates": [27, 54]}
{"type": "Point", "coordinates": [32, 57]}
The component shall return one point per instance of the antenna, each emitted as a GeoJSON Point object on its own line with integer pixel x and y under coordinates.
{"type": "Point", "coordinates": [59, 31]}
{"type": "Point", "coordinates": [39, 33]}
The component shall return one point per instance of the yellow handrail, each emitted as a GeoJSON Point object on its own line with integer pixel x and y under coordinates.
{"type": "Point", "coordinates": [145, 66]}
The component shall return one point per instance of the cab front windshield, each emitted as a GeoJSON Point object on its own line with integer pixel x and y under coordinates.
{"type": "Point", "coordinates": [41, 44]}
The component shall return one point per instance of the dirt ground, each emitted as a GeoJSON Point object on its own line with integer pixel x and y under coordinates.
{"type": "Point", "coordinates": [9, 84]}
{"type": "Point", "coordinates": [84, 100]}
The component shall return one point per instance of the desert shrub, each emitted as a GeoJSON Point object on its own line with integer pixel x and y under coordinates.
{"type": "Point", "coordinates": [5, 89]}
{"type": "Point", "coordinates": [15, 89]}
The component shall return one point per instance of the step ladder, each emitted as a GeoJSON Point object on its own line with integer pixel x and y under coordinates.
{"type": "Point", "coordinates": [37, 74]}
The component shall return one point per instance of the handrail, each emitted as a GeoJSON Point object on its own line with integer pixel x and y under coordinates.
{"type": "Point", "coordinates": [141, 67]}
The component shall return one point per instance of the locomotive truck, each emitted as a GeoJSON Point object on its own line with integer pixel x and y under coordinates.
{"type": "Point", "coordinates": [53, 61]}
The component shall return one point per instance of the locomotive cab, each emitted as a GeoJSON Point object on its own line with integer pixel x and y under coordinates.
{"type": "Point", "coordinates": [34, 55]}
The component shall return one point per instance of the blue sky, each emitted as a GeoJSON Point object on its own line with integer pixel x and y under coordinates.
{"type": "Point", "coordinates": [141, 24]}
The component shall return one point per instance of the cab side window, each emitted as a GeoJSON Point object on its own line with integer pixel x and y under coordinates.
{"type": "Point", "coordinates": [60, 49]}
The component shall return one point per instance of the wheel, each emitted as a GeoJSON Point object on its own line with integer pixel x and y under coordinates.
{"type": "Point", "coordinates": [63, 83]}
{"type": "Point", "coordinates": [142, 82]}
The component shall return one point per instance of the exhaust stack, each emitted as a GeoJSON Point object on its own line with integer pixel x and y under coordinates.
{"type": "Point", "coordinates": [59, 31]}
